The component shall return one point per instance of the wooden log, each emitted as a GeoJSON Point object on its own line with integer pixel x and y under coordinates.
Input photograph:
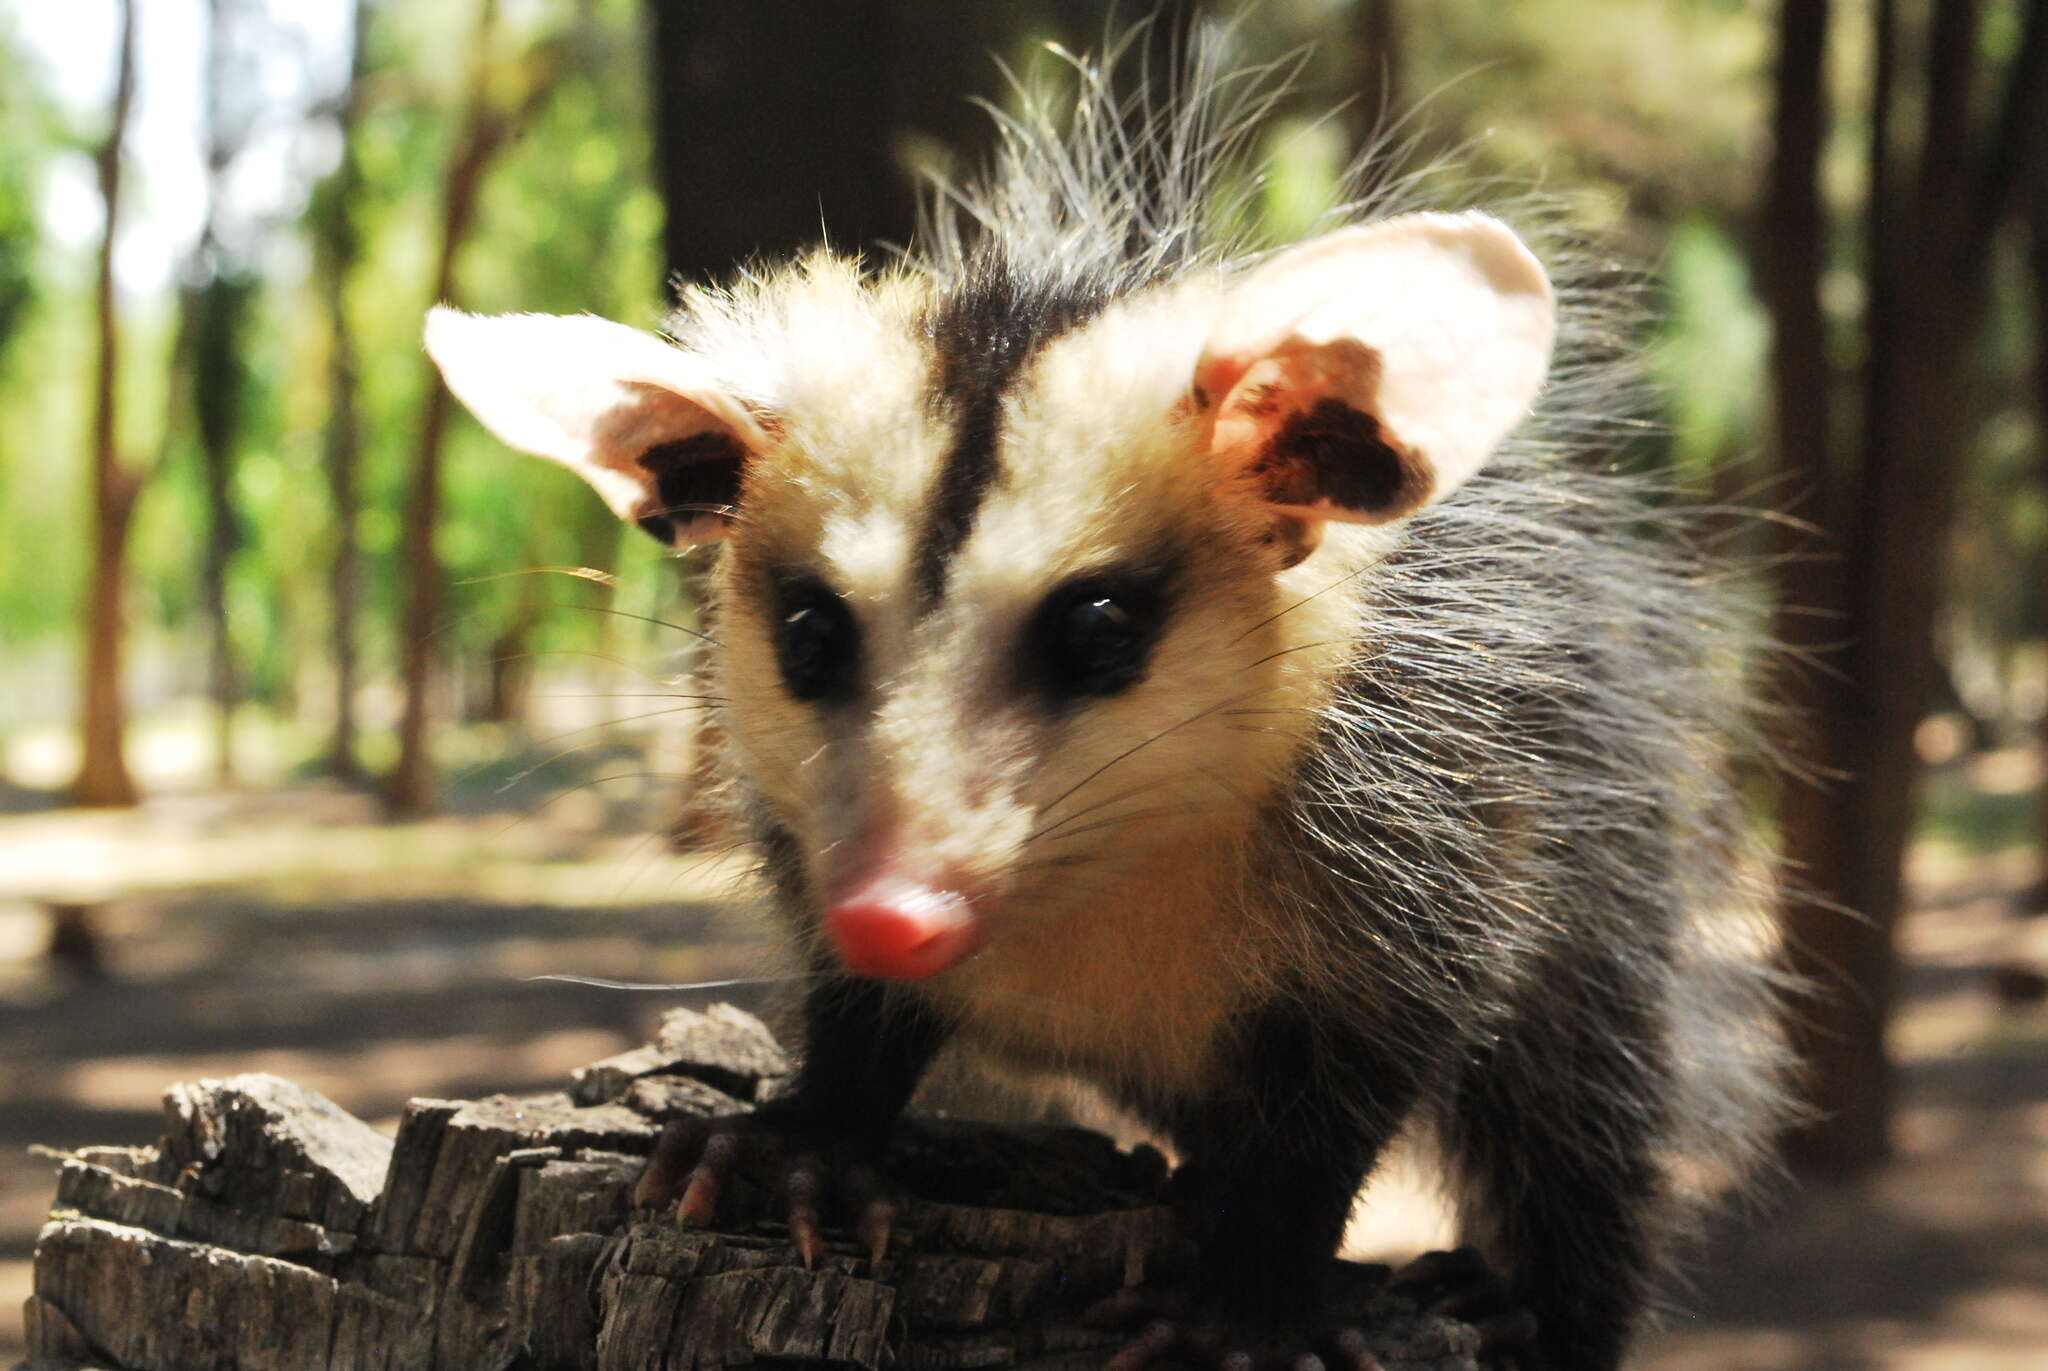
{"type": "Point", "coordinates": [269, 1230]}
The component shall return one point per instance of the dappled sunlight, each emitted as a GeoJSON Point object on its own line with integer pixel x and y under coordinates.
{"type": "Point", "coordinates": [296, 931]}
{"type": "Point", "coordinates": [372, 1081]}
{"type": "Point", "coordinates": [1402, 1212]}
{"type": "Point", "coordinates": [299, 934]}
{"type": "Point", "coordinates": [314, 843]}
{"type": "Point", "coordinates": [1939, 1262]}
{"type": "Point", "coordinates": [399, 734]}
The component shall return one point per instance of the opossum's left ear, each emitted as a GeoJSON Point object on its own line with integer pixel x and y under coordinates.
{"type": "Point", "coordinates": [644, 422]}
{"type": "Point", "coordinates": [1365, 373]}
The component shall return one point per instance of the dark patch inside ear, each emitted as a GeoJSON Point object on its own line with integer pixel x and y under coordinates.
{"type": "Point", "coordinates": [694, 478]}
{"type": "Point", "coordinates": [1330, 451]}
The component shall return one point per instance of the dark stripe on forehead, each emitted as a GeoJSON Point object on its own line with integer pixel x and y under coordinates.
{"type": "Point", "coordinates": [982, 331]}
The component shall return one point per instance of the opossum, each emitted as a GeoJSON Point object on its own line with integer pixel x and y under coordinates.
{"type": "Point", "coordinates": [1235, 677]}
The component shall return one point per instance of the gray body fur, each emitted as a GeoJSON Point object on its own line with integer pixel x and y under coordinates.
{"type": "Point", "coordinates": [1436, 818]}
{"type": "Point", "coordinates": [1515, 830]}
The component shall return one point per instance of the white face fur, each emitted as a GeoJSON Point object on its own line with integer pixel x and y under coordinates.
{"type": "Point", "coordinates": [1019, 611]}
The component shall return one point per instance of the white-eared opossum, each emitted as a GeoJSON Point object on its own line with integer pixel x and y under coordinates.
{"type": "Point", "coordinates": [1221, 675]}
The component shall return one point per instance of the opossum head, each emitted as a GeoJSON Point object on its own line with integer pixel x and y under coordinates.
{"type": "Point", "coordinates": [1030, 587]}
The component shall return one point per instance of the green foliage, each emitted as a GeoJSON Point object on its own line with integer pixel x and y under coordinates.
{"type": "Point", "coordinates": [29, 612]}
{"type": "Point", "coordinates": [1710, 362]}
{"type": "Point", "coordinates": [42, 482]}
{"type": "Point", "coordinates": [18, 245]}
{"type": "Point", "coordinates": [1642, 121]}
{"type": "Point", "coordinates": [221, 361]}
{"type": "Point", "coordinates": [1654, 108]}
{"type": "Point", "coordinates": [24, 125]}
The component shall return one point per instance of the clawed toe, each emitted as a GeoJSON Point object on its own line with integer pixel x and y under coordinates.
{"type": "Point", "coordinates": [685, 1167]}
{"type": "Point", "coordinates": [872, 1228]}
{"type": "Point", "coordinates": [1158, 1338]}
{"type": "Point", "coordinates": [696, 1164]}
{"type": "Point", "coordinates": [699, 1205]}
{"type": "Point", "coordinates": [802, 1185]}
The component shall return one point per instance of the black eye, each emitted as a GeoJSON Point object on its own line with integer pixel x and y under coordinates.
{"type": "Point", "coordinates": [1094, 636]}
{"type": "Point", "coordinates": [817, 642]}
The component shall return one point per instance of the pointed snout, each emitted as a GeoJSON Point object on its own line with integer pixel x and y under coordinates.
{"type": "Point", "coordinates": [898, 929]}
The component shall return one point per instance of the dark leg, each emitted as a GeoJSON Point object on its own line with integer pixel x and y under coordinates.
{"type": "Point", "coordinates": [1275, 1156]}
{"type": "Point", "coordinates": [1554, 1136]}
{"type": "Point", "coordinates": [1275, 1159]}
{"type": "Point", "coordinates": [865, 1046]}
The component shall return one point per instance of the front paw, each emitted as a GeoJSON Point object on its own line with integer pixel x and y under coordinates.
{"type": "Point", "coordinates": [1460, 1285]}
{"type": "Point", "coordinates": [1175, 1330]}
{"type": "Point", "coordinates": [808, 1172]}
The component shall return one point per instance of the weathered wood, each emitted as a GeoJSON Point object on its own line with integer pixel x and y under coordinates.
{"type": "Point", "coordinates": [295, 1154]}
{"type": "Point", "coordinates": [270, 1231]}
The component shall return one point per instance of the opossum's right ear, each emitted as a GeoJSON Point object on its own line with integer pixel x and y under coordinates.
{"type": "Point", "coordinates": [1367, 372]}
{"type": "Point", "coordinates": [640, 419]}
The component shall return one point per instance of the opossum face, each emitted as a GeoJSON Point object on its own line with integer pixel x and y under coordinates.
{"type": "Point", "coordinates": [1023, 595]}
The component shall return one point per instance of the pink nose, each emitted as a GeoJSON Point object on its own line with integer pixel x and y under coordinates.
{"type": "Point", "coordinates": [899, 931]}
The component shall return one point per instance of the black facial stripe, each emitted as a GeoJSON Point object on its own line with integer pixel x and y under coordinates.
{"type": "Point", "coordinates": [982, 333]}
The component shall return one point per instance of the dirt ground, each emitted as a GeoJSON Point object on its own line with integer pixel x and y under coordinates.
{"type": "Point", "coordinates": [290, 932]}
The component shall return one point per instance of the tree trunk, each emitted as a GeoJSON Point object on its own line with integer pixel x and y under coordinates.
{"type": "Point", "coordinates": [409, 790]}
{"type": "Point", "coordinates": [103, 777]}
{"type": "Point", "coordinates": [1870, 618]}
{"type": "Point", "coordinates": [220, 298]}
{"type": "Point", "coordinates": [2037, 261]}
{"type": "Point", "coordinates": [269, 1228]}
{"type": "Point", "coordinates": [937, 72]}
{"type": "Point", "coordinates": [1380, 85]}
{"type": "Point", "coordinates": [216, 396]}
{"type": "Point", "coordinates": [1814, 842]}
{"type": "Point", "coordinates": [508, 669]}
{"type": "Point", "coordinates": [336, 248]}
{"type": "Point", "coordinates": [771, 131]}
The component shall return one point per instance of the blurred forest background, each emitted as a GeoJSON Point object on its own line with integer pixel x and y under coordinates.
{"type": "Point", "coordinates": [323, 720]}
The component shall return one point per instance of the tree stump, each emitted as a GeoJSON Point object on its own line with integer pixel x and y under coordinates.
{"type": "Point", "coordinates": [268, 1230]}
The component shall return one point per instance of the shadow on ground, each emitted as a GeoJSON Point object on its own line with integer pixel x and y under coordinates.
{"type": "Point", "coordinates": [293, 933]}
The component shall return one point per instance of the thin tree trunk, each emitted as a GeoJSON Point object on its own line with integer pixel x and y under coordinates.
{"type": "Point", "coordinates": [1378, 26]}
{"type": "Point", "coordinates": [1929, 243]}
{"type": "Point", "coordinates": [337, 246]}
{"type": "Point", "coordinates": [2037, 261]}
{"type": "Point", "coordinates": [508, 669]}
{"type": "Point", "coordinates": [216, 398]}
{"type": "Point", "coordinates": [2016, 170]}
{"type": "Point", "coordinates": [409, 789]}
{"type": "Point", "coordinates": [215, 395]}
{"type": "Point", "coordinates": [103, 777]}
{"type": "Point", "coordinates": [1837, 1033]}
{"type": "Point", "coordinates": [1928, 301]}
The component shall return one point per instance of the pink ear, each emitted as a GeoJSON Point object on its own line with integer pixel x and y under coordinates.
{"type": "Point", "coordinates": [640, 419]}
{"type": "Point", "coordinates": [1365, 373]}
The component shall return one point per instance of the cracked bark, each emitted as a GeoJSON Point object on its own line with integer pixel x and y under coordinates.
{"type": "Point", "coordinates": [269, 1229]}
